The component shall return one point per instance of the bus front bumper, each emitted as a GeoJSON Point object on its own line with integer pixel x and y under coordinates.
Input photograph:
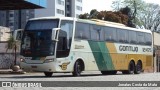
{"type": "Point", "coordinates": [43, 67]}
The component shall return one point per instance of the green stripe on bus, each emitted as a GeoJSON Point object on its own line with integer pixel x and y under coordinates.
{"type": "Point", "coordinates": [101, 55]}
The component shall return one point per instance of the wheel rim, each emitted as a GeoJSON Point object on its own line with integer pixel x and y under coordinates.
{"type": "Point", "coordinates": [79, 68]}
{"type": "Point", "coordinates": [131, 67]}
{"type": "Point", "coordinates": [139, 67]}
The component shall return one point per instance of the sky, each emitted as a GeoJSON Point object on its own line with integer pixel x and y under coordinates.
{"type": "Point", "coordinates": [88, 5]}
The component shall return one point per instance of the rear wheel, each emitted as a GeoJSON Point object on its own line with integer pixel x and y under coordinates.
{"type": "Point", "coordinates": [48, 74]}
{"type": "Point", "coordinates": [77, 69]}
{"type": "Point", "coordinates": [131, 68]}
{"type": "Point", "coordinates": [138, 68]}
{"type": "Point", "coordinates": [109, 72]}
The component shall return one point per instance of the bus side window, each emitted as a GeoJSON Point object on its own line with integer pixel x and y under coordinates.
{"type": "Point", "coordinates": [110, 34]}
{"type": "Point", "coordinates": [82, 31]}
{"type": "Point", "coordinates": [132, 37]}
{"type": "Point", "coordinates": [148, 39]}
{"type": "Point", "coordinates": [140, 38]}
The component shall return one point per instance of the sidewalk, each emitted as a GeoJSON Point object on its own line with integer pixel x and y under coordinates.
{"type": "Point", "coordinates": [10, 71]}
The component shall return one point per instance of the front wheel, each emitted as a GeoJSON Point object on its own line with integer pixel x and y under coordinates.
{"type": "Point", "coordinates": [48, 74]}
{"type": "Point", "coordinates": [77, 69]}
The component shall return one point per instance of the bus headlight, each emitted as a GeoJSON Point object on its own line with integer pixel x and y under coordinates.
{"type": "Point", "coordinates": [22, 60]}
{"type": "Point", "coordinates": [48, 60]}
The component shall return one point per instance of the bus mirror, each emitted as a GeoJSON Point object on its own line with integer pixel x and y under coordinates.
{"type": "Point", "coordinates": [18, 34]}
{"type": "Point", "coordinates": [55, 32]}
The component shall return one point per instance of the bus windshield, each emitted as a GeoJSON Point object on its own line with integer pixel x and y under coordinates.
{"type": "Point", "coordinates": [36, 40]}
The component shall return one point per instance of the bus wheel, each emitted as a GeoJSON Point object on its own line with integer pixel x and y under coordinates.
{"type": "Point", "coordinates": [48, 74]}
{"type": "Point", "coordinates": [138, 68]}
{"type": "Point", "coordinates": [77, 69]}
{"type": "Point", "coordinates": [109, 72]}
{"type": "Point", "coordinates": [131, 68]}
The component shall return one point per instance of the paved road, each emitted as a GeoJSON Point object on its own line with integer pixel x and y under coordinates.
{"type": "Point", "coordinates": [87, 76]}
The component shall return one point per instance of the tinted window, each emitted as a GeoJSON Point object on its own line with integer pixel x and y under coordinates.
{"type": "Point", "coordinates": [122, 36]}
{"type": "Point", "coordinates": [148, 39]}
{"type": "Point", "coordinates": [132, 37]}
{"type": "Point", "coordinates": [96, 33]}
{"type": "Point", "coordinates": [110, 34]}
{"type": "Point", "coordinates": [42, 24]}
{"type": "Point", "coordinates": [140, 38]}
{"type": "Point", "coordinates": [82, 31]}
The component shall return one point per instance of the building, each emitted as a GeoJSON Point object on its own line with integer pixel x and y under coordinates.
{"type": "Point", "coordinates": [54, 8]}
{"type": "Point", "coordinates": [61, 8]}
{"type": "Point", "coordinates": [15, 13]}
{"type": "Point", "coordinates": [74, 8]}
{"type": "Point", "coordinates": [15, 19]}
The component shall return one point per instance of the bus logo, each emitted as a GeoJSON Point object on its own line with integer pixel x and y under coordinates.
{"type": "Point", "coordinates": [64, 65]}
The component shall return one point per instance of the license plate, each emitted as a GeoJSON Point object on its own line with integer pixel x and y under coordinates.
{"type": "Point", "coordinates": [34, 66]}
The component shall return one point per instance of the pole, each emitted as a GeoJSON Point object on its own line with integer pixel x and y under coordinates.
{"type": "Point", "coordinates": [158, 63]}
{"type": "Point", "coordinates": [15, 55]}
{"type": "Point", "coordinates": [0, 33]}
{"type": "Point", "coordinates": [154, 58]}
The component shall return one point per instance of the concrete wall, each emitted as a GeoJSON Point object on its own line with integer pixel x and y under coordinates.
{"type": "Point", "coordinates": [7, 58]}
{"type": "Point", "coordinates": [156, 39]}
{"type": "Point", "coordinates": [4, 33]}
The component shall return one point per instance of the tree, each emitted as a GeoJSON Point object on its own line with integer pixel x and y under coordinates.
{"type": "Point", "coordinates": [115, 16]}
{"type": "Point", "coordinates": [131, 17]}
{"type": "Point", "coordinates": [93, 14]}
{"type": "Point", "coordinates": [84, 16]}
{"type": "Point", "coordinates": [151, 17]}
{"type": "Point", "coordinates": [145, 14]}
{"type": "Point", "coordinates": [12, 45]}
{"type": "Point", "coordinates": [116, 5]}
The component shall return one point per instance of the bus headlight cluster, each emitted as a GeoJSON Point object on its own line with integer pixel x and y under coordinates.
{"type": "Point", "coordinates": [48, 60]}
{"type": "Point", "coordinates": [22, 60]}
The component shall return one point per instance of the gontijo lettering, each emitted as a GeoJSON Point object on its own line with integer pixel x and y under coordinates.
{"type": "Point", "coordinates": [128, 48]}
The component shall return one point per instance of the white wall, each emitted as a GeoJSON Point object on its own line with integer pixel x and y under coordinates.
{"type": "Point", "coordinates": [156, 39]}
{"type": "Point", "coordinates": [61, 7]}
{"type": "Point", "coordinates": [4, 33]}
{"type": "Point", "coordinates": [75, 3]}
{"type": "Point", "coordinates": [50, 10]}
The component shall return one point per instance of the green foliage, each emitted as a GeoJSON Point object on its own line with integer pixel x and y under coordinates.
{"type": "Point", "coordinates": [84, 16]}
{"type": "Point", "coordinates": [117, 5]}
{"type": "Point", "coordinates": [116, 16]}
{"type": "Point", "coordinates": [11, 43]}
{"type": "Point", "coordinates": [144, 14]}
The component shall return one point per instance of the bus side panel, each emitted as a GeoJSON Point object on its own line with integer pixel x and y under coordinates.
{"type": "Point", "coordinates": [119, 60]}
{"type": "Point", "coordinates": [81, 50]}
{"type": "Point", "coordinates": [101, 55]}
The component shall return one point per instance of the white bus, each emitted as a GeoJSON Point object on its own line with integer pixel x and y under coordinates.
{"type": "Point", "coordinates": [70, 45]}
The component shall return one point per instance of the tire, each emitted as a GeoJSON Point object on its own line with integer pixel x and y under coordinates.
{"type": "Point", "coordinates": [109, 72]}
{"type": "Point", "coordinates": [131, 68]}
{"type": "Point", "coordinates": [77, 69]}
{"type": "Point", "coordinates": [48, 74]}
{"type": "Point", "coordinates": [138, 68]}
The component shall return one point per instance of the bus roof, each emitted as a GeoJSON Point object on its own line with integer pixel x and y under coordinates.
{"type": "Point", "coordinates": [95, 21]}
{"type": "Point", "coordinates": [52, 17]}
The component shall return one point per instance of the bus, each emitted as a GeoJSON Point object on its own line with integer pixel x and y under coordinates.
{"type": "Point", "coordinates": [70, 45]}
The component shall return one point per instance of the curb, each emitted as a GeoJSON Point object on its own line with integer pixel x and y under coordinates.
{"type": "Point", "coordinates": [12, 72]}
